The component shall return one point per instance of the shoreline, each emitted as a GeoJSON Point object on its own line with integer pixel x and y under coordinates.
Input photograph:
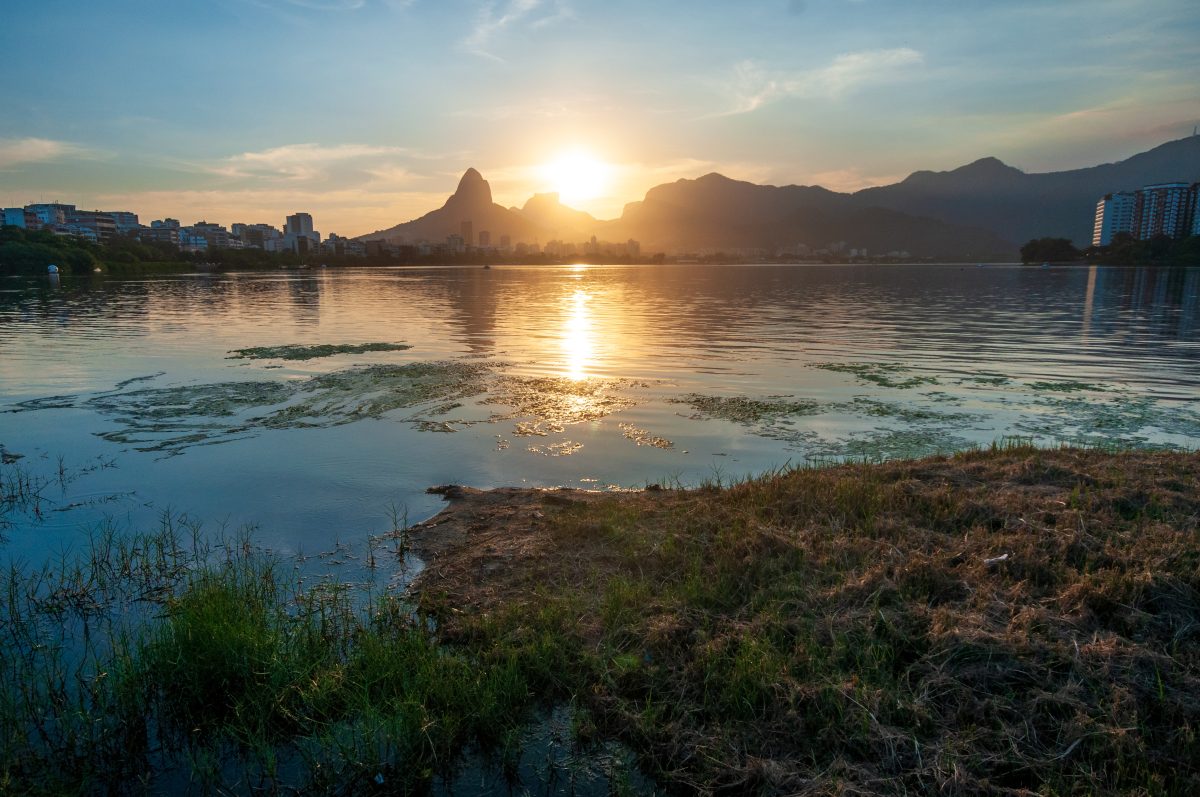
{"type": "Point", "coordinates": [1006, 621]}
{"type": "Point", "coordinates": [993, 612]}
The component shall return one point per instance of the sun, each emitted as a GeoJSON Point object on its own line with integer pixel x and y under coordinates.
{"type": "Point", "coordinates": [577, 176]}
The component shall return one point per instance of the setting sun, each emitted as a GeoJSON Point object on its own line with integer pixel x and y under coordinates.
{"type": "Point", "coordinates": [577, 176]}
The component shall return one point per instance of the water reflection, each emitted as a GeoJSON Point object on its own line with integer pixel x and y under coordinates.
{"type": "Point", "coordinates": [577, 344]}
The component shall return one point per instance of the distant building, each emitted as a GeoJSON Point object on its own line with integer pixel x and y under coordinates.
{"type": "Point", "coordinates": [165, 224]}
{"type": "Point", "coordinates": [1114, 214]}
{"type": "Point", "coordinates": [162, 234]}
{"type": "Point", "coordinates": [468, 233]}
{"type": "Point", "coordinates": [337, 245]}
{"type": "Point", "coordinates": [456, 243]}
{"type": "Point", "coordinates": [125, 221]}
{"type": "Point", "coordinates": [49, 214]}
{"type": "Point", "coordinates": [214, 235]}
{"type": "Point", "coordinates": [102, 226]}
{"type": "Point", "coordinates": [299, 235]}
{"type": "Point", "coordinates": [255, 236]}
{"type": "Point", "coordinates": [485, 239]}
{"type": "Point", "coordinates": [20, 217]}
{"type": "Point", "coordinates": [506, 242]}
{"type": "Point", "coordinates": [1163, 209]}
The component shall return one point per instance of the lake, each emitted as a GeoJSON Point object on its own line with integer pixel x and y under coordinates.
{"type": "Point", "coordinates": [122, 399]}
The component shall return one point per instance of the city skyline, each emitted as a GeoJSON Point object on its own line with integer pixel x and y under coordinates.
{"type": "Point", "coordinates": [363, 111]}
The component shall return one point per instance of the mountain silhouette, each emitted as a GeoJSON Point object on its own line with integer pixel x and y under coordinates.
{"type": "Point", "coordinates": [982, 210]}
{"type": "Point", "coordinates": [715, 212]}
{"type": "Point", "coordinates": [1019, 206]}
{"type": "Point", "coordinates": [543, 218]}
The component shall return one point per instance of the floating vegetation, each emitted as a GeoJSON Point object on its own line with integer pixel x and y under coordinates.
{"type": "Point", "coordinates": [301, 352]}
{"type": "Point", "coordinates": [1125, 418]}
{"type": "Point", "coordinates": [536, 429]}
{"type": "Point", "coordinates": [993, 380]}
{"type": "Point", "coordinates": [134, 380]}
{"type": "Point", "coordinates": [353, 394]}
{"type": "Point", "coordinates": [556, 402]}
{"type": "Point", "coordinates": [886, 444]}
{"type": "Point", "coordinates": [564, 449]}
{"type": "Point", "coordinates": [1065, 387]}
{"type": "Point", "coordinates": [882, 374]}
{"type": "Point", "coordinates": [643, 437]}
{"type": "Point", "coordinates": [903, 412]}
{"type": "Point", "coordinates": [740, 409]}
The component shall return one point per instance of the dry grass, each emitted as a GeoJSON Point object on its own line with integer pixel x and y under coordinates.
{"type": "Point", "coordinates": [1006, 622]}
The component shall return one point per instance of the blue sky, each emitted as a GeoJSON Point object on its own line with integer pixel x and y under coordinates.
{"type": "Point", "coordinates": [365, 112]}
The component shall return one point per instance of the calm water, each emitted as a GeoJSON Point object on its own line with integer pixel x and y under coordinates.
{"type": "Point", "coordinates": [590, 376]}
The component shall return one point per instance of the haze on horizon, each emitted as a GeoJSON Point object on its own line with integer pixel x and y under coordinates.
{"type": "Point", "coordinates": [366, 112]}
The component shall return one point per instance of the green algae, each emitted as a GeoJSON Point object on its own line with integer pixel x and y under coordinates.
{"type": "Point", "coordinates": [904, 412]}
{"type": "Point", "coordinates": [302, 352]}
{"type": "Point", "coordinates": [1066, 387]}
{"type": "Point", "coordinates": [992, 380]}
{"type": "Point", "coordinates": [557, 402]}
{"type": "Point", "coordinates": [887, 375]}
{"type": "Point", "coordinates": [744, 410]}
{"type": "Point", "coordinates": [1125, 418]}
{"type": "Point", "coordinates": [643, 437]}
{"type": "Point", "coordinates": [886, 444]}
{"type": "Point", "coordinates": [353, 394]}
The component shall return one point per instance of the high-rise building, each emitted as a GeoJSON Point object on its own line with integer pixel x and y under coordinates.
{"type": "Point", "coordinates": [468, 233]}
{"type": "Point", "coordinates": [1164, 209]}
{"type": "Point", "coordinates": [1114, 214]}
{"type": "Point", "coordinates": [298, 224]}
{"type": "Point", "coordinates": [485, 239]}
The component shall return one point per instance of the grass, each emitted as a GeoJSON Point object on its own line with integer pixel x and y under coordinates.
{"type": "Point", "coordinates": [1013, 621]}
{"type": "Point", "coordinates": [151, 655]}
{"type": "Point", "coordinates": [1005, 622]}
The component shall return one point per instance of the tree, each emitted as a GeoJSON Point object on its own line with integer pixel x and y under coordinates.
{"type": "Point", "coordinates": [1049, 250]}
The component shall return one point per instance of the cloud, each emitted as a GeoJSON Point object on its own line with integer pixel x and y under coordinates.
{"type": "Point", "coordinates": [14, 151]}
{"type": "Point", "coordinates": [301, 161]}
{"type": "Point", "coordinates": [753, 86]}
{"type": "Point", "coordinates": [490, 21]}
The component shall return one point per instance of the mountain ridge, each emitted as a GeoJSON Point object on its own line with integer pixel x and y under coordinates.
{"type": "Point", "coordinates": [983, 208]}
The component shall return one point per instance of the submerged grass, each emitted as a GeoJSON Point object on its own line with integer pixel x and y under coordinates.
{"type": "Point", "coordinates": [153, 659]}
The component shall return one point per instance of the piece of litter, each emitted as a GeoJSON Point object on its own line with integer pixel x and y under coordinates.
{"type": "Point", "coordinates": [379, 778]}
{"type": "Point", "coordinates": [996, 559]}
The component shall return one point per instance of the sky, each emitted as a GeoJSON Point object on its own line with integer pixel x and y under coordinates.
{"type": "Point", "coordinates": [365, 113]}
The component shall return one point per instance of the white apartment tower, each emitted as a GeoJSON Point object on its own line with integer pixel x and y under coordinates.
{"type": "Point", "coordinates": [1114, 214]}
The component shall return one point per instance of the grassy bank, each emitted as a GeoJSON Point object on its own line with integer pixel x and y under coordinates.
{"type": "Point", "coordinates": [999, 622]}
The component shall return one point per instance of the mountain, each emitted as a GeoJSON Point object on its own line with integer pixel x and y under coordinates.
{"type": "Point", "coordinates": [1019, 206]}
{"type": "Point", "coordinates": [983, 210]}
{"type": "Point", "coordinates": [543, 217]}
{"type": "Point", "coordinates": [556, 219]}
{"type": "Point", "coordinates": [716, 212]}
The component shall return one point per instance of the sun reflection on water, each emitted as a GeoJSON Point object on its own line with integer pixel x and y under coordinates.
{"type": "Point", "coordinates": [577, 342]}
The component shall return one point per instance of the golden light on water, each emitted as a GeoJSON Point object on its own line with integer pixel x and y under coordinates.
{"type": "Point", "coordinates": [577, 343]}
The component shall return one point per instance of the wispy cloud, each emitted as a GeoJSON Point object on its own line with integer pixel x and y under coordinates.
{"type": "Point", "coordinates": [494, 18]}
{"type": "Point", "coordinates": [15, 151]}
{"type": "Point", "coordinates": [754, 86]}
{"type": "Point", "coordinates": [300, 161]}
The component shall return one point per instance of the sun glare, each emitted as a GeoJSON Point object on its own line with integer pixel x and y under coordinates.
{"type": "Point", "coordinates": [577, 176]}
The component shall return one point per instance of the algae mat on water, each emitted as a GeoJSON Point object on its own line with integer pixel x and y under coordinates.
{"type": "Point", "coordinates": [311, 352]}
